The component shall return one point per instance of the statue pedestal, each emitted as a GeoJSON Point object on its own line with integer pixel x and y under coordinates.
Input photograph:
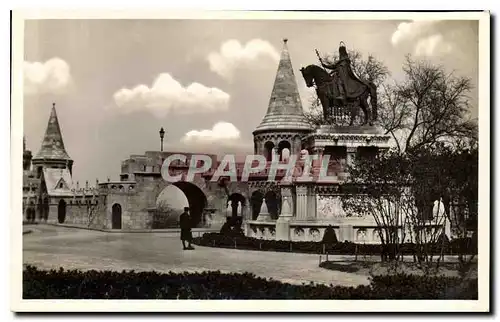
{"type": "Point", "coordinates": [347, 136]}
{"type": "Point", "coordinates": [264, 217]}
{"type": "Point", "coordinates": [349, 129]}
{"type": "Point", "coordinates": [283, 228]}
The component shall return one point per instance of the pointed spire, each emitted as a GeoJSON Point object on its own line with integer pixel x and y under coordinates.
{"type": "Point", "coordinates": [52, 144]}
{"type": "Point", "coordinates": [285, 107]}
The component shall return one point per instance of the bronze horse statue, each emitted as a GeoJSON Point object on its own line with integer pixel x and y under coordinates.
{"type": "Point", "coordinates": [356, 92]}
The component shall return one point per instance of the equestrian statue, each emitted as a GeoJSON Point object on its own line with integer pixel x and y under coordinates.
{"type": "Point", "coordinates": [342, 88]}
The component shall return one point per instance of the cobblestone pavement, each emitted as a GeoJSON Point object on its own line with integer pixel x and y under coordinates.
{"type": "Point", "coordinates": [71, 248]}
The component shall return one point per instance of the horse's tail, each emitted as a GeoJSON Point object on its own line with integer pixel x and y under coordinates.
{"type": "Point", "coordinates": [373, 99]}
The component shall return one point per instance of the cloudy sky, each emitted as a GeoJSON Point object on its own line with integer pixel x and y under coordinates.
{"type": "Point", "coordinates": [116, 82]}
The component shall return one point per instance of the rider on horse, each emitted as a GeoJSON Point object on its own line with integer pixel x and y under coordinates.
{"type": "Point", "coordinates": [339, 72]}
{"type": "Point", "coordinates": [341, 88]}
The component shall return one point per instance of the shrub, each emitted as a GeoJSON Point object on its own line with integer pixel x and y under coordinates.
{"type": "Point", "coordinates": [73, 284]}
{"type": "Point", "coordinates": [455, 246]}
{"type": "Point", "coordinates": [232, 227]}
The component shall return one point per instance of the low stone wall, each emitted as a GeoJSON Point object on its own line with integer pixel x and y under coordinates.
{"type": "Point", "coordinates": [314, 231]}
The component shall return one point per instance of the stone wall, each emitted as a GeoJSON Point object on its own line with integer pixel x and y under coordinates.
{"type": "Point", "coordinates": [77, 209]}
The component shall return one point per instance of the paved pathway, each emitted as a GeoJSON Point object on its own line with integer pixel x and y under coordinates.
{"type": "Point", "coordinates": [54, 247]}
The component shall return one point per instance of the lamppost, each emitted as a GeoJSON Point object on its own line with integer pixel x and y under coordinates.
{"type": "Point", "coordinates": [162, 135]}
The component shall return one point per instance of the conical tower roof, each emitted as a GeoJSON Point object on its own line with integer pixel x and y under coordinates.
{"type": "Point", "coordinates": [53, 145]}
{"type": "Point", "coordinates": [285, 107]}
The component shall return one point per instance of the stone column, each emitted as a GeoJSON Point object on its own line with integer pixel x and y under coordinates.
{"type": "Point", "coordinates": [239, 209]}
{"type": "Point", "coordinates": [297, 144]}
{"type": "Point", "coordinates": [316, 164]}
{"type": "Point", "coordinates": [274, 154]}
{"type": "Point", "coordinates": [301, 200]}
{"type": "Point", "coordinates": [311, 203]}
{"type": "Point", "coordinates": [247, 216]}
{"type": "Point", "coordinates": [283, 222]}
{"type": "Point", "coordinates": [229, 209]}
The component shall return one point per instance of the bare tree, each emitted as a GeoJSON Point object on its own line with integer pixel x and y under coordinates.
{"type": "Point", "coordinates": [92, 212]}
{"type": "Point", "coordinates": [459, 169]}
{"type": "Point", "coordinates": [379, 188]}
{"type": "Point", "coordinates": [164, 216]}
{"type": "Point", "coordinates": [427, 107]}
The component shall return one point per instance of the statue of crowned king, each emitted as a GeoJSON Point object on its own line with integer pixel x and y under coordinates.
{"type": "Point", "coordinates": [341, 88]}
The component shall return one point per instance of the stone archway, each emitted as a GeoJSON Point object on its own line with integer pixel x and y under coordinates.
{"type": "Point", "coordinates": [273, 204]}
{"type": "Point", "coordinates": [237, 202]}
{"type": "Point", "coordinates": [116, 216]}
{"type": "Point", "coordinates": [256, 203]}
{"type": "Point", "coordinates": [269, 150]}
{"type": "Point", "coordinates": [61, 211]}
{"type": "Point", "coordinates": [196, 198]}
{"type": "Point", "coordinates": [284, 150]}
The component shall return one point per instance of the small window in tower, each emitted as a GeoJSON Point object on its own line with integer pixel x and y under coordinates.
{"type": "Point", "coordinates": [60, 185]}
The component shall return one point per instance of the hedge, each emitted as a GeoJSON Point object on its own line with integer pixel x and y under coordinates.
{"type": "Point", "coordinates": [455, 246]}
{"type": "Point", "coordinates": [74, 284]}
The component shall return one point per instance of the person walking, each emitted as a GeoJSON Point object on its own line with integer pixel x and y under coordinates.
{"type": "Point", "coordinates": [185, 223]}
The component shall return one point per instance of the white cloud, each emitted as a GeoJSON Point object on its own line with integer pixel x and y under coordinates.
{"type": "Point", "coordinates": [432, 45]}
{"type": "Point", "coordinates": [167, 94]}
{"type": "Point", "coordinates": [222, 132]}
{"type": "Point", "coordinates": [408, 31]}
{"type": "Point", "coordinates": [233, 55]}
{"type": "Point", "coordinates": [52, 76]}
{"type": "Point", "coordinates": [424, 36]}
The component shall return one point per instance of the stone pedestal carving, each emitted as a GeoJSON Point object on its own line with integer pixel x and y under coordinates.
{"type": "Point", "coordinates": [346, 233]}
{"type": "Point", "coordinates": [351, 155]}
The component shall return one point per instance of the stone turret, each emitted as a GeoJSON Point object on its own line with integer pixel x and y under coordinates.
{"type": "Point", "coordinates": [26, 157]}
{"type": "Point", "coordinates": [284, 124]}
{"type": "Point", "coordinates": [52, 153]}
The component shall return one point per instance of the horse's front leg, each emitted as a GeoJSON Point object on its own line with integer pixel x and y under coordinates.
{"type": "Point", "coordinates": [352, 114]}
{"type": "Point", "coordinates": [325, 102]}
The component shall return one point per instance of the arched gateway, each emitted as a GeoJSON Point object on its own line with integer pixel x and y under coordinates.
{"type": "Point", "coordinates": [61, 211]}
{"type": "Point", "coordinates": [116, 216]}
{"type": "Point", "coordinates": [196, 201]}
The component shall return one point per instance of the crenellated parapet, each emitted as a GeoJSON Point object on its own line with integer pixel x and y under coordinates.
{"type": "Point", "coordinates": [117, 187]}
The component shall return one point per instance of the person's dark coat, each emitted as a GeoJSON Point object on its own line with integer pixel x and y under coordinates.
{"type": "Point", "coordinates": [185, 223]}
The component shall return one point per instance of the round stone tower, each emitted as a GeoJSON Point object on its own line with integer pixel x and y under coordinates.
{"type": "Point", "coordinates": [52, 153]}
{"type": "Point", "coordinates": [284, 124]}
